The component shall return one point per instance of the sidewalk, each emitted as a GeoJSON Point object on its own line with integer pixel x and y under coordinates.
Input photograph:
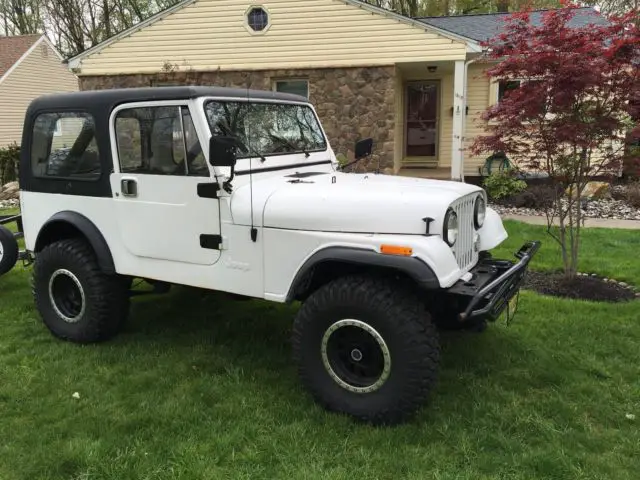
{"type": "Point", "coordinates": [589, 222]}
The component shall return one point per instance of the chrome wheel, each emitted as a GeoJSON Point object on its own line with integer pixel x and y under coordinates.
{"type": "Point", "coordinates": [66, 295]}
{"type": "Point", "coordinates": [356, 356]}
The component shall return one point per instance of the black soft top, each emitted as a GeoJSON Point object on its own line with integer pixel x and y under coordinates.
{"type": "Point", "coordinates": [100, 104]}
{"type": "Point", "coordinates": [107, 100]}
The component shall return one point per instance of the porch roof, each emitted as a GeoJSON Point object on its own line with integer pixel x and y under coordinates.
{"type": "Point", "coordinates": [484, 27]}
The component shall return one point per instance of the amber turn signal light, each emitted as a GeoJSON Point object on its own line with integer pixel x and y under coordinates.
{"type": "Point", "coordinates": [396, 250]}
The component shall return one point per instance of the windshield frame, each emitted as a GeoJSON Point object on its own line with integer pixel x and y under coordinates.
{"type": "Point", "coordinates": [249, 100]}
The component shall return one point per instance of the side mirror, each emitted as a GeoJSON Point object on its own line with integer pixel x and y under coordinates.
{"type": "Point", "coordinates": [364, 148]}
{"type": "Point", "coordinates": [222, 151]}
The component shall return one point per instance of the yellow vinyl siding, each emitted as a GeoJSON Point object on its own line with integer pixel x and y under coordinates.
{"type": "Point", "coordinates": [69, 133]}
{"type": "Point", "coordinates": [38, 74]}
{"type": "Point", "coordinates": [446, 120]}
{"type": "Point", "coordinates": [481, 94]}
{"type": "Point", "coordinates": [212, 35]}
{"type": "Point", "coordinates": [477, 101]}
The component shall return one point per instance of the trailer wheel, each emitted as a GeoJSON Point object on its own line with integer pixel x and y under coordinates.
{"type": "Point", "coordinates": [8, 250]}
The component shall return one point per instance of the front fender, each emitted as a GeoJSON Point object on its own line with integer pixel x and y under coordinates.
{"type": "Point", "coordinates": [413, 267]}
{"type": "Point", "coordinates": [492, 232]}
{"type": "Point", "coordinates": [290, 250]}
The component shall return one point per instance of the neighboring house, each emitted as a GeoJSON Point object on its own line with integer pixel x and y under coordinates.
{"type": "Point", "coordinates": [405, 82]}
{"type": "Point", "coordinates": [30, 66]}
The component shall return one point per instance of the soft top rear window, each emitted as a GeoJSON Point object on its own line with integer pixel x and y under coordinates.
{"type": "Point", "coordinates": [64, 145]}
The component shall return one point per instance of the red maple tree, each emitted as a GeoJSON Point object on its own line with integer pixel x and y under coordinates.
{"type": "Point", "coordinates": [569, 113]}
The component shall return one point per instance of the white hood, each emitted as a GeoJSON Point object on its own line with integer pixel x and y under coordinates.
{"type": "Point", "coordinates": [340, 202]}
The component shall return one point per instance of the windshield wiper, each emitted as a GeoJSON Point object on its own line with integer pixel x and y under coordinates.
{"type": "Point", "coordinates": [290, 144]}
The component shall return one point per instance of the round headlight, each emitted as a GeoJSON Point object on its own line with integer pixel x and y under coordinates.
{"type": "Point", "coordinates": [450, 232]}
{"type": "Point", "coordinates": [479, 212]}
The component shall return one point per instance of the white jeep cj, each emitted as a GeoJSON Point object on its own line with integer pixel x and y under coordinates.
{"type": "Point", "coordinates": [239, 191]}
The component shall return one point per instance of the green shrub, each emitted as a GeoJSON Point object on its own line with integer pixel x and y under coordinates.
{"type": "Point", "coordinates": [342, 159]}
{"type": "Point", "coordinates": [503, 184]}
{"type": "Point", "coordinates": [632, 194]}
{"type": "Point", "coordinates": [9, 160]}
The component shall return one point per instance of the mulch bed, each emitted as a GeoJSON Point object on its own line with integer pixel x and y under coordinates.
{"type": "Point", "coordinates": [582, 287]}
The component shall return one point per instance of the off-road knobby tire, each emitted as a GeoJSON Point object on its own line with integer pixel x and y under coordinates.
{"type": "Point", "coordinates": [404, 324]}
{"type": "Point", "coordinates": [10, 250]}
{"type": "Point", "coordinates": [106, 296]}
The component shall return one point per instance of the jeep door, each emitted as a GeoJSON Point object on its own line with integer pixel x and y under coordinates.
{"type": "Point", "coordinates": [158, 165]}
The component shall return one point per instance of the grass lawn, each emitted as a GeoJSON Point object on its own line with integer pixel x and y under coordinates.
{"type": "Point", "coordinates": [202, 387]}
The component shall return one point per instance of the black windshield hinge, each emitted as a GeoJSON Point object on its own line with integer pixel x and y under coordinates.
{"type": "Point", "coordinates": [428, 221]}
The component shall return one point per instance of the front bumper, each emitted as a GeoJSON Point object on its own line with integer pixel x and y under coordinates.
{"type": "Point", "coordinates": [493, 285]}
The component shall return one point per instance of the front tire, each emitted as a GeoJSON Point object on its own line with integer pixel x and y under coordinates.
{"type": "Point", "coordinates": [76, 300]}
{"type": "Point", "coordinates": [366, 348]}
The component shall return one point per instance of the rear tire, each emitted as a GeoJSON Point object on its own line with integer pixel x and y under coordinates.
{"type": "Point", "coordinates": [366, 348]}
{"type": "Point", "coordinates": [76, 300]}
{"type": "Point", "coordinates": [8, 250]}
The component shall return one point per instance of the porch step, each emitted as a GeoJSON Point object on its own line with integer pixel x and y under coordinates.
{"type": "Point", "coordinates": [439, 173]}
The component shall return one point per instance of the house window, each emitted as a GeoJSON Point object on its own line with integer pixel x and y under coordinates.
{"type": "Point", "coordinates": [506, 85]}
{"type": "Point", "coordinates": [296, 87]}
{"type": "Point", "coordinates": [70, 153]}
{"type": "Point", "coordinates": [258, 19]}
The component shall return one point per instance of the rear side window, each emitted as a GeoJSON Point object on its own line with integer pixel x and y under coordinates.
{"type": "Point", "coordinates": [64, 145]}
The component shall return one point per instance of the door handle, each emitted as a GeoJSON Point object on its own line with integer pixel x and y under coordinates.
{"type": "Point", "coordinates": [129, 187]}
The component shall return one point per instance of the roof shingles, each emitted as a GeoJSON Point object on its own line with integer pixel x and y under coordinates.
{"type": "Point", "coordinates": [12, 48]}
{"type": "Point", "coordinates": [484, 27]}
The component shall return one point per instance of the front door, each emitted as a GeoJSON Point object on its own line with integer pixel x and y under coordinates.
{"type": "Point", "coordinates": [161, 162]}
{"type": "Point", "coordinates": [422, 111]}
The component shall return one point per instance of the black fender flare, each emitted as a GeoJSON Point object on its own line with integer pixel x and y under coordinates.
{"type": "Point", "coordinates": [415, 268]}
{"type": "Point", "coordinates": [88, 229]}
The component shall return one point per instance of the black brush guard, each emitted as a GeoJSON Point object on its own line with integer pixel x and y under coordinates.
{"type": "Point", "coordinates": [494, 283]}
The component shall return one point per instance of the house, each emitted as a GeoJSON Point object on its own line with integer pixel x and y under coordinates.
{"type": "Point", "coordinates": [30, 66]}
{"type": "Point", "coordinates": [415, 85]}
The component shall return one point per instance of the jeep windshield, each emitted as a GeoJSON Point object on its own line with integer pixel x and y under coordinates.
{"type": "Point", "coordinates": [267, 129]}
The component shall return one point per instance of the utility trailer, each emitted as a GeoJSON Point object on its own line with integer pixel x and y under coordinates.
{"type": "Point", "coordinates": [10, 252]}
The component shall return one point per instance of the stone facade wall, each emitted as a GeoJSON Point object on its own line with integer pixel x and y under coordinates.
{"type": "Point", "coordinates": [352, 103]}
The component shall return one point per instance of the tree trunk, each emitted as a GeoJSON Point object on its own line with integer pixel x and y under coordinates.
{"type": "Point", "coordinates": [106, 14]}
{"type": "Point", "coordinates": [502, 5]}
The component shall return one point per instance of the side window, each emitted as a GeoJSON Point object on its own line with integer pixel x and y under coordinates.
{"type": "Point", "coordinates": [196, 163]}
{"type": "Point", "coordinates": [129, 142]}
{"type": "Point", "coordinates": [159, 141]}
{"type": "Point", "coordinates": [64, 145]}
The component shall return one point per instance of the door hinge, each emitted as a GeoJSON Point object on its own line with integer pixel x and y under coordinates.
{"type": "Point", "coordinates": [213, 242]}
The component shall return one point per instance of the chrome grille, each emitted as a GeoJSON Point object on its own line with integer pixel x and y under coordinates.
{"type": "Point", "coordinates": [463, 249]}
